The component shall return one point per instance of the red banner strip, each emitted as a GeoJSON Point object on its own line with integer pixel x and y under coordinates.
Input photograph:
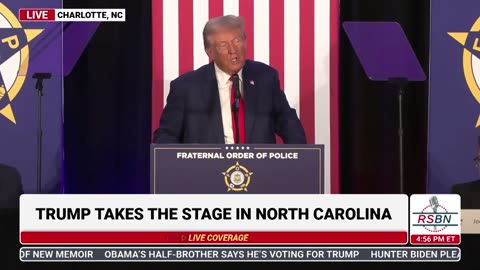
{"type": "Point", "coordinates": [213, 237]}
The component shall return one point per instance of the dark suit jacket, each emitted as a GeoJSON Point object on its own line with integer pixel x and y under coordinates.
{"type": "Point", "coordinates": [470, 199]}
{"type": "Point", "coordinates": [470, 194]}
{"type": "Point", "coordinates": [10, 187]}
{"type": "Point", "coordinates": [193, 114]}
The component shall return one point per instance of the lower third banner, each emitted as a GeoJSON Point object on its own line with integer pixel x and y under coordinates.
{"type": "Point", "coordinates": [190, 219]}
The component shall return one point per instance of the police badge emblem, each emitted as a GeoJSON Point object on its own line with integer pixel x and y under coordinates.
{"type": "Point", "coordinates": [471, 59]}
{"type": "Point", "coordinates": [237, 177]}
{"type": "Point", "coordinates": [14, 58]}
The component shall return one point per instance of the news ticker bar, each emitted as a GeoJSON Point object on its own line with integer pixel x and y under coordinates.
{"type": "Point", "coordinates": [243, 254]}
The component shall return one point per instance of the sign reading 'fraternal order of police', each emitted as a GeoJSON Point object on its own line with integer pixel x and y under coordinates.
{"type": "Point", "coordinates": [246, 169]}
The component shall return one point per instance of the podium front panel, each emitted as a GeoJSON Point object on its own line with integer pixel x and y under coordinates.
{"type": "Point", "coordinates": [237, 169]}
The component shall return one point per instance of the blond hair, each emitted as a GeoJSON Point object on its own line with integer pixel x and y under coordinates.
{"type": "Point", "coordinates": [221, 23]}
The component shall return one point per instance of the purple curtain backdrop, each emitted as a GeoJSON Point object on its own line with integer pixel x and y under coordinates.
{"type": "Point", "coordinates": [18, 141]}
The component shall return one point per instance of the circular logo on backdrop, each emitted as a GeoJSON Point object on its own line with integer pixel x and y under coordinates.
{"type": "Point", "coordinates": [237, 177]}
{"type": "Point", "coordinates": [14, 57]}
{"type": "Point", "coordinates": [471, 58]}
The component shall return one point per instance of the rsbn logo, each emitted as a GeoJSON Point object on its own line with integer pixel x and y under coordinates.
{"type": "Point", "coordinates": [434, 217]}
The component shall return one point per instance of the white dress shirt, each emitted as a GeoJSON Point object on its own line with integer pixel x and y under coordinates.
{"type": "Point", "coordinates": [224, 91]}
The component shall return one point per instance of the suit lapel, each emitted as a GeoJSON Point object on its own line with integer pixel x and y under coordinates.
{"type": "Point", "coordinates": [250, 94]}
{"type": "Point", "coordinates": [214, 99]}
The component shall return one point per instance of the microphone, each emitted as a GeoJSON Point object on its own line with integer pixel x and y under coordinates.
{"type": "Point", "coordinates": [434, 205]}
{"type": "Point", "coordinates": [236, 105]}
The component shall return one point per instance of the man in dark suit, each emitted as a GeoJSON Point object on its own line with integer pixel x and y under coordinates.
{"type": "Point", "coordinates": [199, 105]}
{"type": "Point", "coordinates": [470, 194]}
{"type": "Point", "coordinates": [470, 191]}
{"type": "Point", "coordinates": [10, 187]}
{"type": "Point", "coordinates": [470, 199]}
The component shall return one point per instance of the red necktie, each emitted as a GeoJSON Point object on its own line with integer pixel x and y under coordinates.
{"type": "Point", "coordinates": [241, 117]}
